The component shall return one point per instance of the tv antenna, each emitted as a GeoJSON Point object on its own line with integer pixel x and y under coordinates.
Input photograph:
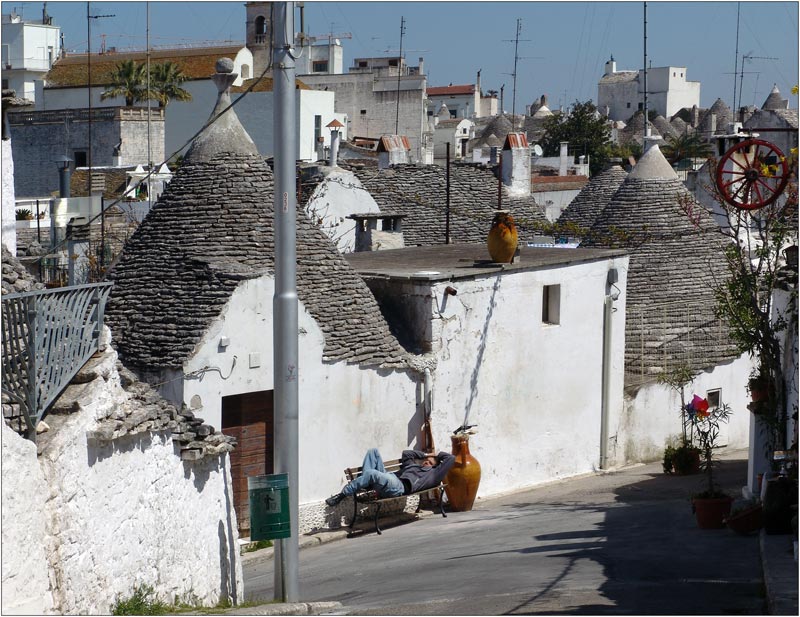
{"type": "Point", "coordinates": [517, 58]}
{"type": "Point", "coordinates": [399, 73]}
{"type": "Point", "coordinates": [747, 58]}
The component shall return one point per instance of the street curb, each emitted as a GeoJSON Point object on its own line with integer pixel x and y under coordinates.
{"type": "Point", "coordinates": [324, 537]}
{"type": "Point", "coordinates": [293, 608]}
{"type": "Point", "coordinates": [780, 573]}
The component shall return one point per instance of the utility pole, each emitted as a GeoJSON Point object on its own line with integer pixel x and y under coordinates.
{"type": "Point", "coordinates": [646, 119]}
{"type": "Point", "coordinates": [399, 67]}
{"type": "Point", "coordinates": [736, 60]}
{"type": "Point", "coordinates": [284, 303]}
{"type": "Point", "coordinates": [89, 18]}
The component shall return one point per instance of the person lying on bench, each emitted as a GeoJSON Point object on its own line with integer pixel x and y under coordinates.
{"type": "Point", "coordinates": [418, 471]}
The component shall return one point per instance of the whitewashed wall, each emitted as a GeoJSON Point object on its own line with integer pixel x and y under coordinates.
{"type": "Point", "coordinates": [554, 202]}
{"type": "Point", "coordinates": [9, 234]}
{"type": "Point", "coordinates": [652, 415]}
{"type": "Point", "coordinates": [532, 389]}
{"type": "Point", "coordinates": [343, 409]}
{"type": "Point", "coordinates": [334, 199]}
{"type": "Point", "coordinates": [26, 585]}
{"type": "Point", "coordinates": [123, 514]}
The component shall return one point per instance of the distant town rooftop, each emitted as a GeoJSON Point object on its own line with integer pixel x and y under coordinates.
{"type": "Point", "coordinates": [464, 261]}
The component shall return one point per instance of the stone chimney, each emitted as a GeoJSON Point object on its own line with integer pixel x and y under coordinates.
{"type": "Point", "coordinates": [516, 164]}
{"type": "Point", "coordinates": [421, 66]}
{"type": "Point", "coordinates": [563, 158]}
{"type": "Point", "coordinates": [334, 125]}
{"type": "Point", "coordinates": [378, 231]}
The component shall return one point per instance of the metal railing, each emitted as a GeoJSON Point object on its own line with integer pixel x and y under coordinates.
{"type": "Point", "coordinates": [48, 336]}
{"type": "Point", "coordinates": [659, 340]}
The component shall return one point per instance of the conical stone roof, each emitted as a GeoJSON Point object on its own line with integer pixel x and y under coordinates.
{"type": "Point", "coordinates": [420, 193]}
{"type": "Point", "coordinates": [582, 212]}
{"type": "Point", "coordinates": [775, 100]}
{"type": "Point", "coordinates": [676, 259]}
{"type": "Point", "coordinates": [723, 118]}
{"type": "Point", "coordinates": [664, 127]}
{"type": "Point", "coordinates": [500, 126]}
{"type": "Point", "coordinates": [678, 125]}
{"type": "Point", "coordinates": [212, 229]}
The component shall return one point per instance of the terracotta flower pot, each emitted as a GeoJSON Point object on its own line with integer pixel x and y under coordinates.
{"type": "Point", "coordinates": [464, 476]}
{"type": "Point", "coordinates": [711, 513]}
{"type": "Point", "coordinates": [502, 240]}
{"type": "Point", "coordinates": [746, 521]}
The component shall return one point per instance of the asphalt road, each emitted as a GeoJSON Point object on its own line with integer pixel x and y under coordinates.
{"type": "Point", "coordinates": [617, 543]}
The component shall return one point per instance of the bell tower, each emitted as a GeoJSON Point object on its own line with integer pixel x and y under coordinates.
{"type": "Point", "coordinates": [259, 34]}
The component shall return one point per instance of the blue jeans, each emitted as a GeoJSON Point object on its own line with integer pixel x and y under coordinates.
{"type": "Point", "coordinates": [375, 477]}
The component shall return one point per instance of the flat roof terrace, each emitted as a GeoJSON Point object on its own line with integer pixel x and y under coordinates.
{"type": "Point", "coordinates": [464, 261]}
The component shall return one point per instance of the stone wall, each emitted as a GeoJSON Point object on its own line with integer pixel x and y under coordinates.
{"type": "Point", "coordinates": [139, 494]}
{"type": "Point", "coordinates": [40, 136]}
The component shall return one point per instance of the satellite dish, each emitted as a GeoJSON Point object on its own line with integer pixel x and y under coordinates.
{"type": "Point", "coordinates": [537, 150]}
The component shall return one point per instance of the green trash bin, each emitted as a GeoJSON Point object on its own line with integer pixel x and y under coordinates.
{"type": "Point", "coordinates": [269, 506]}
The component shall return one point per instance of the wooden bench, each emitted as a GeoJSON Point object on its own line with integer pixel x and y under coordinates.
{"type": "Point", "coordinates": [370, 497]}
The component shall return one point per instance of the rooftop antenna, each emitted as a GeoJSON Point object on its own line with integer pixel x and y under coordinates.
{"type": "Point", "coordinates": [399, 72]}
{"type": "Point", "coordinates": [89, 18]}
{"type": "Point", "coordinates": [514, 74]}
{"type": "Point", "coordinates": [747, 57]}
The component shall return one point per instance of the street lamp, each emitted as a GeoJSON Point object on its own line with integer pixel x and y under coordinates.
{"type": "Point", "coordinates": [64, 163]}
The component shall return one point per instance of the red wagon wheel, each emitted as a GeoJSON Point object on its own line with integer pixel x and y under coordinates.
{"type": "Point", "coordinates": [752, 174]}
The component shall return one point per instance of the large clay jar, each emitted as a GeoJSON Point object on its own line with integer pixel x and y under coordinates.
{"type": "Point", "coordinates": [464, 476]}
{"type": "Point", "coordinates": [502, 240]}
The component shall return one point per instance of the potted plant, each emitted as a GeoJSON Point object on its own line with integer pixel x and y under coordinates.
{"type": "Point", "coordinates": [746, 518]}
{"type": "Point", "coordinates": [684, 458]}
{"type": "Point", "coordinates": [758, 386]}
{"type": "Point", "coordinates": [712, 505]}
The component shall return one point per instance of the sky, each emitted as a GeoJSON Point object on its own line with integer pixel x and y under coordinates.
{"type": "Point", "coordinates": [561, 52]}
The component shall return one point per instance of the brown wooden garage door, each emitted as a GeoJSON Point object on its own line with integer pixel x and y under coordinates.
{"type": "Point", "coordinates": [249, 418]}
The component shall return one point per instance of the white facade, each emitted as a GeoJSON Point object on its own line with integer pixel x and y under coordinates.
{"type": "Point", "coordinates": [326, 58]}
{"type": "Point", "coordinates": [668, 91]}
{"type": "Point", "coordinates": [457, 133]}
{"type": "Point", "coordinates": [28, 51]}
{"type": "Point", "coordinates": [85, 523]}
{"type": "Point", "coordinates": [345, 409]}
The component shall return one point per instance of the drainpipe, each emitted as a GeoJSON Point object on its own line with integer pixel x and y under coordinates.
{"type": "Point", "coordinates": [608, 310]}
{"type": "Point", "coordinates": [427, 405]}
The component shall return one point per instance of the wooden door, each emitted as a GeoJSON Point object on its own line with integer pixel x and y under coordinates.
{"type": "Point", "coordinates": [248, 418]}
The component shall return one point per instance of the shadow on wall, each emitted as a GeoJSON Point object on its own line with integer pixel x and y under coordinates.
{"type": "Point", "coordinates": [100, 451]}
{"type": "Point", "coordinates": [473, 382]}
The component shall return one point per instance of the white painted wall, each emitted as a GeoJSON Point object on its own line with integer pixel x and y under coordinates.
{"type": "Point", "coordinates": [652, 415]}
{"type": "Point", "coordinates": [26, 586]}
{"type": "Point", "coordinates": [344, 409]}
{"type": "Point", "coordinates": [532, 389]}
{"type": "Point", "coordinates": [122, 514]}
{"type": "Point", "coordinates": [9, 234]}
{"type": "Point", "coordinates": [336, 197]}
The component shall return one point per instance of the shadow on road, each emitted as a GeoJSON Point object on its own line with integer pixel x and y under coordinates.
{"type": "Point", "coordinates": [654, 558]}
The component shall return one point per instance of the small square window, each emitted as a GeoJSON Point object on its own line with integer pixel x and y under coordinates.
{"type": "Point", "coordinates": [363, 112]}
{"type": "Point", "coordinates": [551, 304]}
{"type": "Point", "coordinates": [79, 156]}
{"type": "Point", "coordinates": [714, 397]}
{"type": "Point", "coordinates": [629, 105]}
{"type": "Point", "coordinates": [681, 74]}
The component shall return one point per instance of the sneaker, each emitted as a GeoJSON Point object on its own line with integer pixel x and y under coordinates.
{"type": "Point", "coordinates": [334, 500]}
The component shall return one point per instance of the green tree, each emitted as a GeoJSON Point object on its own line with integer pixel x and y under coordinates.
{"type": "Point", "coordinates": [129, 80]}
{"type": "Point", "coordinates": [165, 84]}
{"type": "Point", "coordinates": [586, 131]}
{"type": "Point", "coordinates": [686, 147]}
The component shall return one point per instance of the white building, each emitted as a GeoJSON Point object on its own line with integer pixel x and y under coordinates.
{"type": "Point", "coordinates": [463, 101]}
{"type": "Point", "coordinates": [29, 49]}
{"type": "Point", "coordinates": [621, 93]}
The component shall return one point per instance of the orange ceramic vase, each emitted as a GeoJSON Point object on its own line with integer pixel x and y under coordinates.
{"type": "Point", "coordinates": [502, 240]}
{"type": "Point", "coordinates": [464, 476]}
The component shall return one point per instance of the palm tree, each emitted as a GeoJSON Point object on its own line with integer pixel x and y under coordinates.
{"type": "Point", "coordinates": [686, 147]}
{"type": "Point", "coordinates": [165, 83]}
{"type": "Point", "coordinates": [129, 80]}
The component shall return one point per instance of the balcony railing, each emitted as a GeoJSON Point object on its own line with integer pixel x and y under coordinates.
{"type": "Point", "coordinates": [48, 336]}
